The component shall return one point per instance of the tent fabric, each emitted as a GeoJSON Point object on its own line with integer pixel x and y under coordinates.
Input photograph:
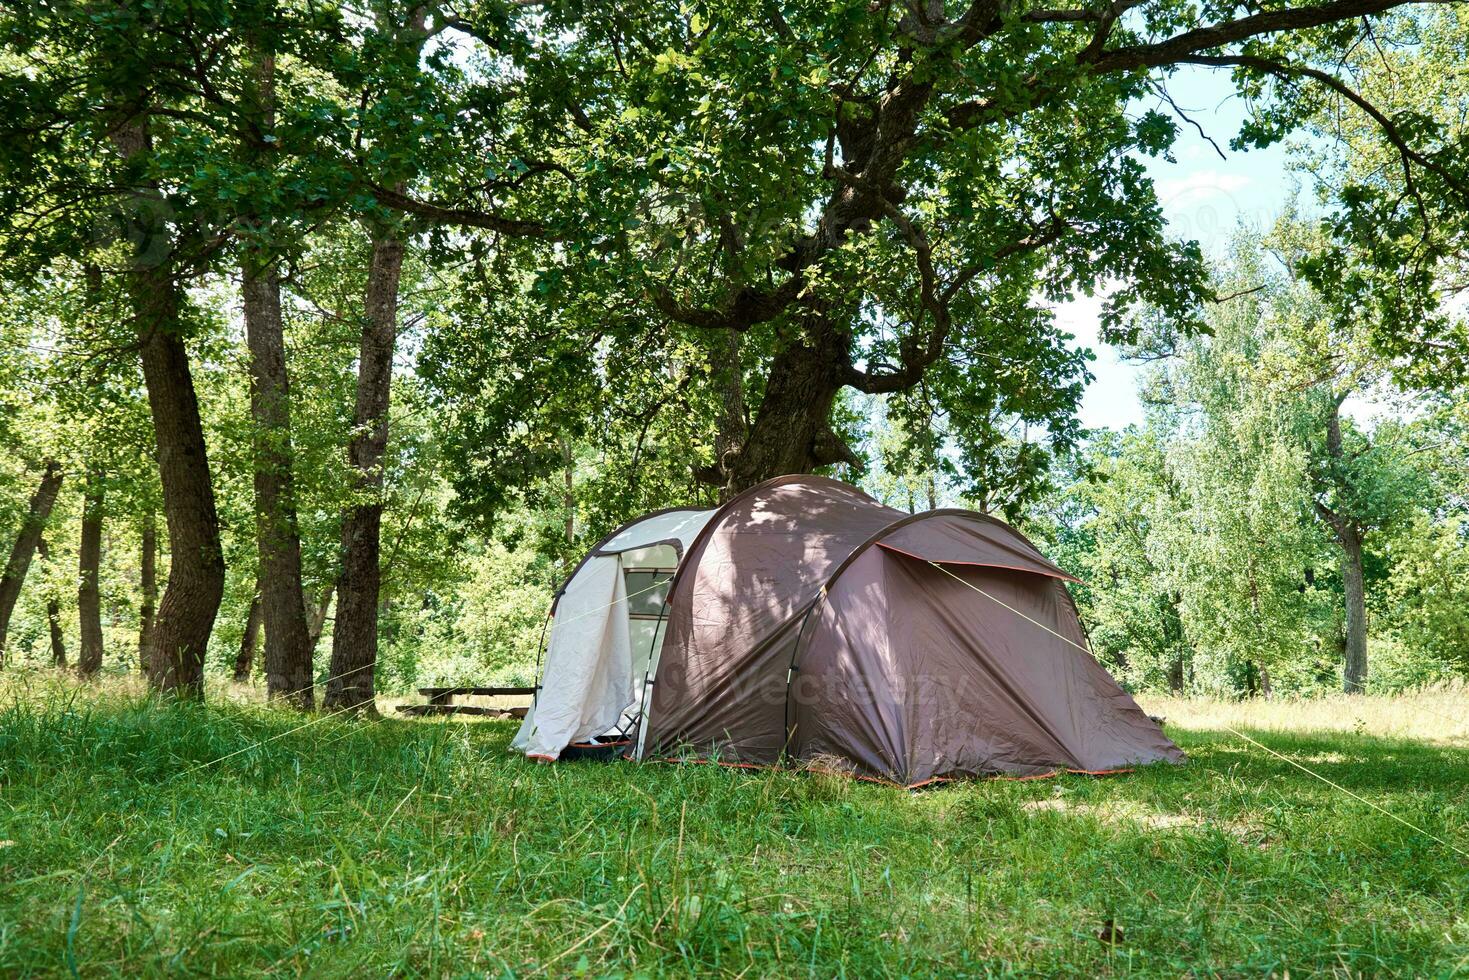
{"type": "Point", "coordinates": [968, 538]}
{"type": "Point", "coordinates": [911, 674]}
{"type": "Point", "coordinates": [678, 526]}
{"type": "Point", "coordinates": [588, 670]}
{"type": "Point", "coordinates": [806, 622]}
{"type": "Point", "coordinates": [735, 610]}
{"type": "Point", "coordinates": [592, 672]}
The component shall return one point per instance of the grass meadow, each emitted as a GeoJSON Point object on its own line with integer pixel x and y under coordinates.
{"type": "Point", "coordinates": [235, 839]}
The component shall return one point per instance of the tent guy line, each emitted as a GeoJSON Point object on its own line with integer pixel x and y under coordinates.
{"type": "Point", "coordinates": [1284, 758]}
{"type": "Point", "coordinates": [1017, 612]}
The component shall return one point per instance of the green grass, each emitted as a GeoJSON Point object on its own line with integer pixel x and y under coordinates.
{"type": "Point", "coordinates": [360, 849]}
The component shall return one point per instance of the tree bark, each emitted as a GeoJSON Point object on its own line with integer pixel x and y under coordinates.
{"type": "Point", "coordinates": [148, 584]}
{"type": "Point", "coordinates": [732, 428]}
{"type": "Point", "coordinates": [89, 567]}
{"type": "Point", "coordinates": [180, 633]}
{"type": "Point", "coordinates": [1349, 535]}
{"type": "Point", "coordinates": [288, 647]}
{"type": "Point", "coordinates": [1172, 623]}
{"type": "Point", "coordinates": [245, 659]}
{"type": "Point", "coordinates": [354, 638]}
{"type": "Point", "coordinates": [1354, 660]}
{"type": "Point", "coordinates": [53, 614]}
{"type": "Point", "coordinates": [317, 621]}
{"type": "Point", "coordinates": [26, 541]}
{"type": "Point", "coordinates": [1175, 674]}
{"type": "Point", "coordinates": [791, 432]}
{"type": "Point", "coordinates": [288, 644]}
{"type": "Point", "coordinates": [568, 491]}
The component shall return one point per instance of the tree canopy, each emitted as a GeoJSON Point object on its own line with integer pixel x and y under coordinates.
{"type": "Point", "coordinates": [355, 297]}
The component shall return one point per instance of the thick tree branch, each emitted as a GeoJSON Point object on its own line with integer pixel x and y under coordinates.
{"type": "Point", "coordinates": [1181, 46]}
{"type": "Point", "coordinates": [744, 308]}
{"type": "Point", "coordinates": [466, 217]}
{"type": "Point", "coordinates": [915, 354]}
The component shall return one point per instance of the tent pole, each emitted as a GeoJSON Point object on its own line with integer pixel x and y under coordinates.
{"type": "Point", "coordinates": [791, 669]}
{"type": "Point", "coordinates": [540, 653]}
{"type": "Point", "coordinates": [643, 700]}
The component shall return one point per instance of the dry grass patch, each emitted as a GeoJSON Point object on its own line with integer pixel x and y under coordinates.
{"type": "Point", "coordinates": [1438, 714]}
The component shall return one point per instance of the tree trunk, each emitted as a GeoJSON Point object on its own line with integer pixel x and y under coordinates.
{"type": "Point", "coordinates": [288, 646]}
{"type": "Point", "coordinates": [792, 428]}
{"type": "Point", "coordinates": [1172, 626]}
{"type": "Point", "coordinates": [26, 541]}
{"type": "Point", "coordinates": [278, 538]}
{"type": "Point", "coordinates": [180, 633]}
{"type": "Point", "coordinates": [245, 659]}
{"type": "Point", "coordinates": [354, 638]}
{"type": "Point", "coordinates": [1354, 661]}
{"type": "Point", "coordinates": [53, 614]}
{"type": "Point", "coordinates": [1349, 536]}
{"type": "Point", "coordinates": [89, 593]}
{"type": "Point", "coordinates": [317, 622]}
{"type": "Point", "coordinates": [1175, 674]}
{"type": "Point", "coordinates": [148, 584]}
{"type": "Point", "coordinates": [732, 426]}
{"type": "Point", "coordinates": [568, 491]}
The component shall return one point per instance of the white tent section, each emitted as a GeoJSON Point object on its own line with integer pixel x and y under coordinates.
{"type": "Point", "coordinates": [608, 621]}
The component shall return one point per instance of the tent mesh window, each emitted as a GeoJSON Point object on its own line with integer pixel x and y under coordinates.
{"type": "Point", "coordinates": [647, 588]}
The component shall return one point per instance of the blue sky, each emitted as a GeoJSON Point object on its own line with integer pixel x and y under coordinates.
{"type": "Point", "coordinates": [1204, 198]}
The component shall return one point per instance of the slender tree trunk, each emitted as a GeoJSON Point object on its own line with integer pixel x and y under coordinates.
{"type": "Point", "coordinates": [1172, 623]}
{"type": "Point", "coordinates": [288, 645]}
{"type": "Point", "coordinates": [53, 614]}
{"type": "Point", "coordinates": [354, 638]}
{"type": "Point", "coordinates": [180, 632]}
{"type": "Point", "coordinates": [245, 659]}
{"type": "Point", "coordinates": [148, 584]}
{"type": "Point", "coordinates": [317, 621]}
{"type": "Point", "coordinates": [89, 567]}
{"type": "Point", "coordinates": [568, 491]}
{"type": "Point", "coordinates": [26, 541]}
{"type": "Point", "coordinates": [352, 684]}
{"type": "Point", "coordinates": [278, 538]}
{"type": "Point", "coordinates": [1349, 536]}
{"type": "Point", "coordinates": [1354, 665]}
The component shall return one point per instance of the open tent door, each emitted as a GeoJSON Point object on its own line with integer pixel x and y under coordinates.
{"type": "Point", "coordinates": [583, 689]}
{"type": "Point", "coordinates": [607, 623]}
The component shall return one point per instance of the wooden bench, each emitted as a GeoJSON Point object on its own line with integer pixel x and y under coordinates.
{"type": "Point", "coordinates": [441, 701]}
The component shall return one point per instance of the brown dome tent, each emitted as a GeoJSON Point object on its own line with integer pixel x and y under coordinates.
{"type": "Point", "coordinates": [805, 621]}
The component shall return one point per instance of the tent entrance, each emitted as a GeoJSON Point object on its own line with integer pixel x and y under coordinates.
{"type": "Point", "coordinates": [606, 625]}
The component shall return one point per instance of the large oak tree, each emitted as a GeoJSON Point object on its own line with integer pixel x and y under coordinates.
{"type": "Point", "coordinates": [820, 196]}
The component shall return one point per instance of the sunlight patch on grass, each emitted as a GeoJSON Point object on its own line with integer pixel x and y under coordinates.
{"type": "Point", "coordinates": [1439, 713]}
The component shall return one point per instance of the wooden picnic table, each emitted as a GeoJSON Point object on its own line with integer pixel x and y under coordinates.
{"type": "Point", "coordinates": [441, 701]}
